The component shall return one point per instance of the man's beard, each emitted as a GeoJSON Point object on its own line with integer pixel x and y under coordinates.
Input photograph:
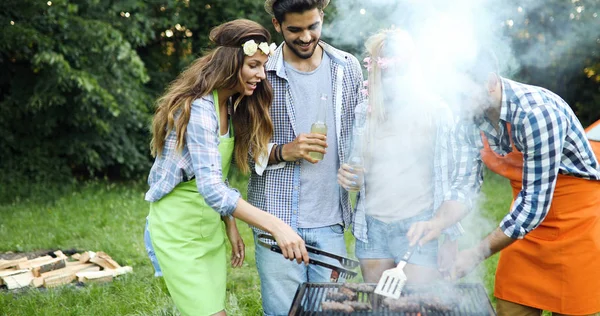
{"type": "Point", "coordinates": [292, 46]}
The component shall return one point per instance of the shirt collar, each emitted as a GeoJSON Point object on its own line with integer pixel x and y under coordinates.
{"type": "Point", "coordinates": [275, 63]}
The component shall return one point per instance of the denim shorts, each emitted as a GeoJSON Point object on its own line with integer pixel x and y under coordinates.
{"type": "Point", "coordinates": [389, 241]}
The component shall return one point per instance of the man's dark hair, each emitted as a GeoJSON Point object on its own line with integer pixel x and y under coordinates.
{"type": "Point", "coordinates": [485, 62]}
{"type": "Point", "coordinates": [281, 7]}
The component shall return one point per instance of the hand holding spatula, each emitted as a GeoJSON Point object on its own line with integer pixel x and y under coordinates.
{"type": "Point", "coordinates": [393, 280]}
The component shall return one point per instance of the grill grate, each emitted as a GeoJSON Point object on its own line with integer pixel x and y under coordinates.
{"type": "Point", "coordinates": [473, 301]}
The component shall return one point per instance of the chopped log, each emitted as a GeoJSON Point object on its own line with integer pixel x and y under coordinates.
{"type": "Point", "coordinates": [53, 264]}
{"type": "Point", "coordinates": [76, 256]}
{"type": "Point", "coordinates": [5, 264]}
{"type": "Point", "coordinates": [17, 281]}
{"type": "Point", "coordinates": [5, 273]}
{"type": "Point", "coordinates": [37, 282]}
{"type": "Point", "coordinates": [60, 254]}
{"type": "Point", "coordinates": [86, 256]}
{"type": "Point", "coordinates": [72, 269]}
{"type": "Point", "coordinates": [60, 279]}
{"type": "Point", "coordinates": [104, 260]}
{"type": "Point", "coordinates": [120, 270]}
{"type": "Point", "coordinates": [96, 277]}
{"type": "Point", "coordinates": [34, 262]}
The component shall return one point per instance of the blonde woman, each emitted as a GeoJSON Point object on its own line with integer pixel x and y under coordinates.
{"type": "Point", "coordinates": [408, 190]}
{"type": "Point", "coordinates": [216, 109]}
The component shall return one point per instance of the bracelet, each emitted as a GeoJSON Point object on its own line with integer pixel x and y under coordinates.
{"type": "Point", "coordinates": [275, 154]}
{"type": "Point", "coordinates": [280, 150]}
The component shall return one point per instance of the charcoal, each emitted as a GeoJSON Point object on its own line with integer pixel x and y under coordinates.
{"type": "Point", "coordinates": [336, 296]}
{"type": "Point", "coordinates": [337, 307]}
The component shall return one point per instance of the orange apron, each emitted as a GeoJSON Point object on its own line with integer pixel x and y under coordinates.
{"type": "Point", "coordinates": [556, 267]}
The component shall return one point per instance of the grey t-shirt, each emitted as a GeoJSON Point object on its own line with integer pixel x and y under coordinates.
{"type": "Point", "coordinates": [319, 203]}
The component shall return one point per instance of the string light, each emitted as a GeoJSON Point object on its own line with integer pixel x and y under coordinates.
{"type": "Point", "coordinates": [12, 22]}
{"type": "Point", "coordinates": [49, 3]}
{"type": "Point", "coordinates": [363, 11]}
{"type": "Point", "coordinates": [169, 33]}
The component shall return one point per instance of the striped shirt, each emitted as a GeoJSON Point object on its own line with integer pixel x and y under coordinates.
{"type": "Point", "coordinates": [276, 189]}
{"type": "Point", "coordinates": [552, 140]}
{"type": "Point", "coordinates": [200, 158]}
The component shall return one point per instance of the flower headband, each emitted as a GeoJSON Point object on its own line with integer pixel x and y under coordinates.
{"type": "Point", "coordinates": [382, 62]}
{"type": "Point", "coordinates": [250, 48]}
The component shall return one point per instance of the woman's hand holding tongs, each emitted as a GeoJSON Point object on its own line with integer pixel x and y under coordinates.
{"type": "Point", "coordinates": [291, 244]}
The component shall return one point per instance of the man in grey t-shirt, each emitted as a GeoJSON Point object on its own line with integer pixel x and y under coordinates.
{"type": "Point", "coordinates": [290, 184]}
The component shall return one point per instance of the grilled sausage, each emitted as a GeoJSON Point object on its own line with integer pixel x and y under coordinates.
{"type": "Point", "coordinates": [337, 307]}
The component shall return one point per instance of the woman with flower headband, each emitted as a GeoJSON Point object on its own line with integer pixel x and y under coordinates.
{"type": "Point", "coordinates": [408, 189]}
{"type": "Point", "coordinates": [216, 109]}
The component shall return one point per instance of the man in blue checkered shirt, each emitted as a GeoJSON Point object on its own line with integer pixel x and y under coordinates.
{"type": "Point", "coordinates": [290, 184]}
{"type": "Point", "coordinates": [550, 237]}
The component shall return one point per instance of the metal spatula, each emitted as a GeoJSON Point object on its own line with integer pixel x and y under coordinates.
{"type": "Point", "coordinates": [393, 280]}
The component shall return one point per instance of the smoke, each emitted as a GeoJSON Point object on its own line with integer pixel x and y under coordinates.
{"type": "Point", "coordinates": [446, 38]}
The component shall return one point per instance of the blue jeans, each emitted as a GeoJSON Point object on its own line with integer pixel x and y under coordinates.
{"type": "Point", "coordinates": [389, 241]}
{"type": "Point", "coordinates": [280, 278]}
{"type": "Point", "coordinates": [150, 251]}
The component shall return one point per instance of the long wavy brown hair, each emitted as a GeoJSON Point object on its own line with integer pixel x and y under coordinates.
{"type": "Point", "coordinates": [220, 68]}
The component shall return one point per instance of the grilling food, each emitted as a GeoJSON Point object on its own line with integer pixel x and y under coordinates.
{"type": "Point", "coordinates": [337, 307]}
{"type": "Point", "coordinates": [359, 306]}
{"type": "Point", "coordinates": [405, 304]}
{"type": "Point", "coordinates": [359, 287]}
{"type": "Point", "coordinates": [336, 297]}
{"type": "Point", "coordinates": [351, 294]}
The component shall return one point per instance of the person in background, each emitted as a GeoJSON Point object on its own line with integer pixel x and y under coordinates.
{"type": "Point", "coordinates": [405, 133]}
{"type": "Point", "coordinates": [289, 183]}
{"type": "Point", "coordinates": [221, 100]}
{"type": "Point", "coordinates": [549, 241]}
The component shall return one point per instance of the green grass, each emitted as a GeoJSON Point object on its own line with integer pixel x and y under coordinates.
{"type": "Point", "coordinates": [110, 217]}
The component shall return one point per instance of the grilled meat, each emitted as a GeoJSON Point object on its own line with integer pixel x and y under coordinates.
{"type": "Point", "coordinates": [351, 294]}
{"type": "Point", "coordinates": [359, 306]}
{"type": "Point", "coordinates": [405, 304]}
{"type": "Point", "coordinates": [336, 297]}
{"type": "Point", "coordinates": [336, 307]}
{"type": "Point", "coordinates": [359, 287]}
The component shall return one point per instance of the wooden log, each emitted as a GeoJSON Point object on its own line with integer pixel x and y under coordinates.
{"type": "Point", "coordinates": [17, 281]}
{"type": "Point", "coordinates": [120, 270]}
{"type": "Point", "coordinates": [53, 264]}
{"type": "Point", "coordinates": [29, 263]}
{"type": "Point", "coordinates": [72, 268]}
{"type": "Point", "coordinates": [104, 260]}
{"type": "Point", "coordinates": [4, 273]}
{"type": "Point", "coordinates": [76, 256]}
{"type": "Point", "coordinates": [60, 279]}
{"type": "Point", "coordinates": [86, 256]}
{"type": "Point", "coordinates": [5, 264]}
{"type": "Point", "coordinates": [95, 277]}
{"type": "Point", "coordinates": [60, 254]}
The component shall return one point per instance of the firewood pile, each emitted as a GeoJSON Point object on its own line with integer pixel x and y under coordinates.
{"type": "Point", "coordinates": [51, 271]}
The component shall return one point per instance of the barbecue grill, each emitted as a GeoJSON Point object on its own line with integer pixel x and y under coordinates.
{"type": "Point", "coordinates": [473, 301]}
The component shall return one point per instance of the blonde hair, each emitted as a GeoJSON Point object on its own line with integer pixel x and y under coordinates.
{"type": "Point", "coordinates": [217, 69]}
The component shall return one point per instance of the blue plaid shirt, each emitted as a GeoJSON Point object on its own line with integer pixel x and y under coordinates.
{"type": "Point", "coordinates": [447, 183]}
{"type": "Point", "coordinates": [200, 158]}
{"type": "Point", "coordinates": [552, 140]}
{"type": "Point", "coordinates": [277, 189]}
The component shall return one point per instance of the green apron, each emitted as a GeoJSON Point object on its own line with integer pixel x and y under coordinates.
{"type": "Point", "coordinates": [189, 241]}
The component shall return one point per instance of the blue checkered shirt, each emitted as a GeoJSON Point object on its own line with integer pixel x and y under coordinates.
{"type": "Point", "coordinates": [277, 189]}
{"type": "Point", "coordinates": [200, 158]}
{"type": "Point", "coordinates": [552, 140]}
{"type": "Point", "coordinates": [447, 183]}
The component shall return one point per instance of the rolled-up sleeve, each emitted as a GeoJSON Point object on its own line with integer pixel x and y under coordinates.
{"type": "Point", "coordinates": [202, 142]}
{"type": "Point", "coordinates": [468, 170]}
{"type": "Point", "coordinates": [543, 135]}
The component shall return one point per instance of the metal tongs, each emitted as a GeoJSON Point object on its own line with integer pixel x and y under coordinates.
{"type": "Point", "coordinates": [347, 263]}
